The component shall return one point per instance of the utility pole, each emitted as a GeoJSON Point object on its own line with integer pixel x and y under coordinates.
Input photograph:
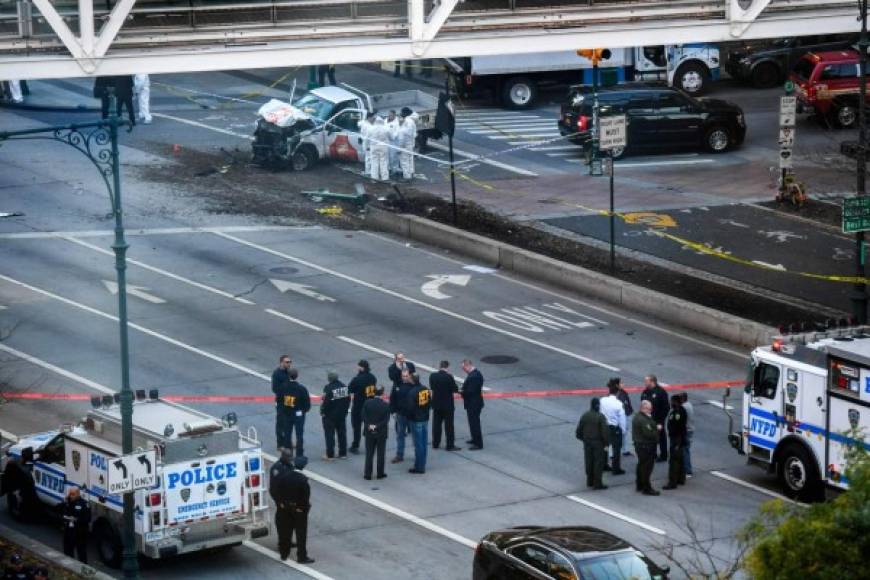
{"type": "Point", "coordinates": [859, 293]}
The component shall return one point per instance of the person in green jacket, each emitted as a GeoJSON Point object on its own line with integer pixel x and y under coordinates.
{"type": "Point", "coordinates": [645, 434]}
{"type": "Point", "coordinates": [592, 430]}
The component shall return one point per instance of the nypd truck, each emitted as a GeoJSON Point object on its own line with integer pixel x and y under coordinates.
{"type": "Point", "coordinates": [209, 486]}
{"type": "Point", "coordinates": [804, 406]}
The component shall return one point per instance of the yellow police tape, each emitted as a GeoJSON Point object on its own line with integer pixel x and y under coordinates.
{"type": "Point", "coordinates": [705, 249]}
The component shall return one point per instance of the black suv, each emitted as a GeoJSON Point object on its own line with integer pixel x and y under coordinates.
{"type": "Point", "coordinates": [659, 118]}
{"type": "Point", "coordinates": [565, 553]}
{"type": "Point", "coordinates": [768, 65]}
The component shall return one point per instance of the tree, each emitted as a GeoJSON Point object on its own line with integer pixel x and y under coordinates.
{"type": "Point", "coordinates": [824, 541]}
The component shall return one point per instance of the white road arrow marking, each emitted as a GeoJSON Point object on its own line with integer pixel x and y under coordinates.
{"type": "Point", "coordinates": [432, 288]}
{"type": "Point", "coordinates": [137, 291]}
{"type": "Point", "coordinates": [283, 286]}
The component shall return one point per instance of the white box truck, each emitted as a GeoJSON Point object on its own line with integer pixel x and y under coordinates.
{"type": "Point", "coordinates": [209, 490]}
{"type": "Point", "coordinates": [514, 79]}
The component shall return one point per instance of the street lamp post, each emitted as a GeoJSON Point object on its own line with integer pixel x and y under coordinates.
{"type": "Point", "coordinates": [859, 293]}
{"type": "Point", "coordinates": [98, 142]}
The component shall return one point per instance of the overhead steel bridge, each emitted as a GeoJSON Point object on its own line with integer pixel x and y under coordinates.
{"type": "Point", "coordinates": [69, 38]}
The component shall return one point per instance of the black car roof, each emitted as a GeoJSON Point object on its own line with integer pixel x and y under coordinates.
{"type": "Point", "coordinates": [576, 539]}
{"type": "Point", "coordinates": [625, 87]}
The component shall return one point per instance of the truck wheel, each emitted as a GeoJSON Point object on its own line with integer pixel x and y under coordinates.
{"type": "Point", "coordinates": [13, 505]}
{"type": "Point", "coordinates": [108, 544]}
{"type": "Point", "coordinates": [303, 158]}
{"type": "Point", "coordinates": [519, 93]}
{"type": "Point", "coordinates": [717, 139]}
{"type": "Point", "coordinates": [692, 78]}
{"type": "Point", "coordinates": [845, 114]}
{"type": "Point", "coordinates": [799, 477]}
{"type": "Point", "coordinates": [766, 76]}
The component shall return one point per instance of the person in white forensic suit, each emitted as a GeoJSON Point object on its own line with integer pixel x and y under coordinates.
{"type": "Point", "coordinates": [379, 135]}
{"type": "Point", "coordinates": [15, 91]}
{"type": "Point", "coordinates": [142, 88]}
{"type": "Point", "coordinates": [406, 137]}
{"type": "Point", "coordinates": [365, 127]}
{"type": "Point", "coordinates": [392, 123]}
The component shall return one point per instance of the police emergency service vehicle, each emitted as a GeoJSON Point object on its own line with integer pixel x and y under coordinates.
{"type": "Point", "coordinates": [803, 406]}
{"type": "Point", "coordinates": [209, 490]}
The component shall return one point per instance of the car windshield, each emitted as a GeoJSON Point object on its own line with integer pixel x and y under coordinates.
{"type": "Point", "coordinates": [314, 106]}
{"type": "Point", "coordinates": [621, 566]}
{"type": "Point", "coordinates": [804, 68]}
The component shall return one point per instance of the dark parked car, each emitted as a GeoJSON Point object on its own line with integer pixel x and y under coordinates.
{"type": "Point", "coordinates": [570, 553]}
{"type": "Point", "coordinates": [659, 118]}
{"type": "Point", "coordinates": [768, 65]}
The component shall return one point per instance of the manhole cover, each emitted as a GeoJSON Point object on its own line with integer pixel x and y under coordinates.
{"type": "Point", "coordinates": [499, 359]}
{"type": "Point", "coordinates": [284, 270]}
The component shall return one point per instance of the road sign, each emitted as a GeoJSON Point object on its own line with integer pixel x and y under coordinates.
{"type": "Point", "coordinates": [131, 472]}
{"type": "Point", "coordinates": [612, 132]}
{"type": "Point", "coordinates": [786, 137]}
{"type": "Point", "coordinates": [856, 214]}
{"type": "Point", "coordinates": [785, 158]}
{"type": "Point", "coordinates": [789, 87]}
{"type": "Point", "coordinates": [787, 110]}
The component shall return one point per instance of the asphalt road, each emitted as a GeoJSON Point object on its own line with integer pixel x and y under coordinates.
{"type": "Point", "coordinates": [216, 323]}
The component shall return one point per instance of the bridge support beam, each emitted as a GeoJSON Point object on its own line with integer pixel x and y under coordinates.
{"type": "Point", "coordinates": [742, 18]}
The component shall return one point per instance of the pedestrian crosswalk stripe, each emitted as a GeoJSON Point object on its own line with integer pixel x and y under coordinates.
{"type": "Point", "coordinates": [558, 148]}
{"type": "Point", "coordinates": [515, 134]}
{"type": "Point", "coordinates": [529, 122]}
{"type": "Point", "coordinates": [562, 153]}
{"type": "Point", "coordinates": [506, 130]}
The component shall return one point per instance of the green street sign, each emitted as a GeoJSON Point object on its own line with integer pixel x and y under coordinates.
{"type": "Point", "coordinates": [789, 87]}
{"type": "Point", "coordinates": [856, 214]}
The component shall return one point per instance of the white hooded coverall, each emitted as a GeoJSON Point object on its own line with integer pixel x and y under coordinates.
{"type": "Point", "coordinates": [407, 136]}
{"type": "Point", "coordinates": [365, 128]}
{"type": "Point", "coordinates": [142, 87]}
{"type": "Point", "coordinates": [380, 135]}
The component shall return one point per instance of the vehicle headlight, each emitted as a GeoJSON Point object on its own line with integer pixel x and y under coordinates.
{"type": "Point", "coordinates": [744, 60]}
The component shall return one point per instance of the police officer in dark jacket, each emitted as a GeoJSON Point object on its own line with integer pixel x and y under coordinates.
{"type": "Point", "coordinates": [122, 88]}
{"type": "Point", "coordinates": [659, 398]}
{"type": "Point", "coordinates": [76, 521]}
{"type": "Point", "coordinates": [472, 397]}
{"type": "Point", "coordinates": [676, 423]}
{"type": "Point", "coordinates": [362, 387]}
{"type": "Point", "coordinates": [418, 402]}
{"type": "Point", "coordinates": [376, 425]}
{"type": "Point", "coordinates": [645, 433]}
{"type": "Point", "coordinates": [333, 409]}
{"type": "Point", "coordinates": [292, 496]}
{"type": "Point", "coordinates": [443, 387]}
{"type": "Point", "coordinates": [593, 431]}
{"type": "Point", "coordinates": [398, 407]}
{"type": "Point", "coordinates": [280, 385]}
{"type": "Point", "coordinates": [394, 371]}
{"type": "Point", "coordinates": [293, 403]}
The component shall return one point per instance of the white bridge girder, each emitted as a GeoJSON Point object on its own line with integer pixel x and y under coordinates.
{"type": "Point", "coordinates": [403, 35]}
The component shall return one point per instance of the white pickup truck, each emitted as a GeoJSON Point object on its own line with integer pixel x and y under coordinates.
{"type": "Point", "coordinates": [324, 124]}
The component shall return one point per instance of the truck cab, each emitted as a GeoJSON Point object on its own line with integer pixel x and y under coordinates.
{"type": "Point", "coordinates": [803, 407]}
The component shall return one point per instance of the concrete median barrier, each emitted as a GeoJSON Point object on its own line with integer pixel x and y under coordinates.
{"type": "Point", "coordinates": [669, 309]}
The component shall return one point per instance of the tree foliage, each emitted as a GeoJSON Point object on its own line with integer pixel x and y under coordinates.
{"type": "Point", "coordinates": [824, 541]}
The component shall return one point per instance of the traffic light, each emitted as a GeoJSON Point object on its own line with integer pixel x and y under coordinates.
{"type": "Point", "coordinates": [594, 54]}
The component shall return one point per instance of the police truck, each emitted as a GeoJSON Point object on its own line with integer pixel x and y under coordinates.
{"type": "Point", "coordinates": [804, 407]}
{"type": "Point", "coordinates": [209, 486]}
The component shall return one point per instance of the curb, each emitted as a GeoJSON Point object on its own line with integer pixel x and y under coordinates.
{"type": "Point", "coordinates": [58, 109]}
{"type": "Point", "coordinates": [670, 309]}
{"type": "Point", "coordinates": [53, 556]}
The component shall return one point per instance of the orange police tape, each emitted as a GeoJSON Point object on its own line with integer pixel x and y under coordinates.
{"type": "Point", "coordinates": [269, 399]}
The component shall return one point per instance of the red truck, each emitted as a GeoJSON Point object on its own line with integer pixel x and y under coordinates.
{"type": "Point", "coordinates": [827, 85]}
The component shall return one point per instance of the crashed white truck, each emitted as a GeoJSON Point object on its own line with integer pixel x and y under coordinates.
{"type": "Point", "coordinates": [324, 124]}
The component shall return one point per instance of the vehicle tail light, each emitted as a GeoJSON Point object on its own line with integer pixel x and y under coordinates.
{"type": "Point", "coordinates": [154, 499]}
{"type": "Point", "coordinates": [468, 80]}
{"type": "Point", "coordinates": [811, 91]}
{"type": "Point", "coordinates": [254, 480]}
{"type": "Point", "coordinates": [582, 123]}
{"type": "Point", "coordinates": [777, 345]}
